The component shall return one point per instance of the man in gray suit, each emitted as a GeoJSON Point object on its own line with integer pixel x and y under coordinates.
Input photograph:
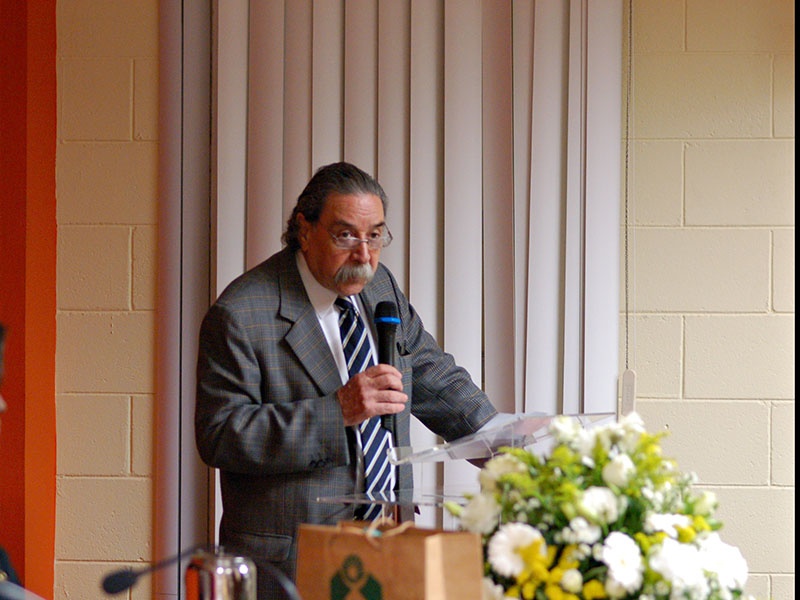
{"type": "Point", "coordinates": [276, 409]}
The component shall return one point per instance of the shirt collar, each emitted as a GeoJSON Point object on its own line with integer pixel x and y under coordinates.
{"type": "Point", "coordinates": [321, 297]}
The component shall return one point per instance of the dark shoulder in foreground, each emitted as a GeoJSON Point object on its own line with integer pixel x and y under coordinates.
{"type": "Point", "coordinates": [7, 572]}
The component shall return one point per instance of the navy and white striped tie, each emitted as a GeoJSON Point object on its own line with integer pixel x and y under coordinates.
{"type": "Point", "coordinates": [375, 440]}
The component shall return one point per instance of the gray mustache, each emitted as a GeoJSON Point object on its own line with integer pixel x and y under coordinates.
{"type": "Point", "coordinates": [347, 273]}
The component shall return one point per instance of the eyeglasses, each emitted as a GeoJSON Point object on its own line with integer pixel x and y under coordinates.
{"type": "Point", "coordinates": [376, 240]}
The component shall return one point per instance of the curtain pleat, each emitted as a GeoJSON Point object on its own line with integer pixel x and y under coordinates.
{"type": "Point", "coordinates": [266, 93]}
{"type": "Point", "coordinates": [391, 142]}
{"type": "Point", "coordinates": [545, 310]}
{"type": "Point", "coordinates": [499, 220]}
{"type": "Point", "coordinates": [360, 74]}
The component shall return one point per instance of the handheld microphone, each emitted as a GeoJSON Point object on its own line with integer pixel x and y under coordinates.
{"type": "Point", "coordinates": [386, 322]}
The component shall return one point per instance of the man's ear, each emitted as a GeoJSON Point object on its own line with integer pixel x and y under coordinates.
{"type": "Point", "coordinates": [303, 231]}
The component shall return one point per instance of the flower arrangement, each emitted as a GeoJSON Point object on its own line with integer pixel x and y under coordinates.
{"type": "Point", "coordinates": [601, 514]}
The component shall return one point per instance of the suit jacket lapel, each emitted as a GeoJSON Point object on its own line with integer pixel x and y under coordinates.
{"type": "Point", "coordinates": [305, 336]}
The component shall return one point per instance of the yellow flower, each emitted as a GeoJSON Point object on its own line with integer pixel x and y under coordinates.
{"type": "Point", "coordinates": [593, 590]}
{"type": "Point", "coordinates": [537, 558]}
{"type": "Point", "coordinates": [700, 524]}
{"type": "Point", "coordinates": [686, 535]}
{"type": "Point", "coordinates": [555, 592]}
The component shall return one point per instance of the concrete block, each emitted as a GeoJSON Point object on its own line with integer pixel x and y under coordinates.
{"type": "Point", "coordinates": [107, 183]}
{"type": "Point", "coordinates": [104, 518]}
{"type": "Point", "coordinates": [783, 100]}
{"type": "Point", "coordinates": [783, 270]}
{"type": "Point", "coordinates": [93, 267]}
{"type": "Point", "coordinates": [760, 521]}
{"type": "Point", "coordinates": [701, 270]}
{"type": "Point", "coordinates": [722, 442]}
{"type": "Point", "coordinates": [143, 268]}
{"type": "Point", "coordinates": [658, 26]}
{"type": "Point", "coordinates": [98, 28]}
{"type": "Point", "coordinates": [145, 99]}
{"type": "Point", "coordinates": [740, 183]}
{"type": "Point", "coordinates": [94, 434]}
{"type": "Point", "coordinates": [740, 356]}
{"type": "Point", "coordinates": [655, 354]}
{"type": "Point", "coordinates": [657, 197]}
{"type": "Point", "coordinates": [115, 356]}
{"type": "Point", "coordinates": [730, 96]}
{"type": "Point", "coordinates": [739, 26]}
{"type": "Point", "coordinates": [96, 99]}
{"type": "Point", "coordinates": [782, 453]}
{"type": "Point", "coordinates": [142, 435]}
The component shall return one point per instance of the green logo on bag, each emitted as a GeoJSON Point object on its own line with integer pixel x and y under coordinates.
{"type": "Point", "coordinates": [351, 583]}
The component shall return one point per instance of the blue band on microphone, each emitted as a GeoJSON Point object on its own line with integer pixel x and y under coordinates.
{"type": "Point", "coordinates": [394, 320]}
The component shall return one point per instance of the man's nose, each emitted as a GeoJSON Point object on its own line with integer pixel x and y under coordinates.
{"type": "Point", "coordinates": [362, 252]}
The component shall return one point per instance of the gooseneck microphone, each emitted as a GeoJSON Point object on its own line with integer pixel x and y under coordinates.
{"type": "Point", "coordinates": [124, 579]}
{"type": "Point", "coordinates": [386, 322]}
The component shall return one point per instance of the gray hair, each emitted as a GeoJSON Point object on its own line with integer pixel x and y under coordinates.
{"type": "Point", "coordinates": [336, 178]}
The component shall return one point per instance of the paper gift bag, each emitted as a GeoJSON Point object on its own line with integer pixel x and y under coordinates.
{"type": "Point", "coordinates": [361, 561]}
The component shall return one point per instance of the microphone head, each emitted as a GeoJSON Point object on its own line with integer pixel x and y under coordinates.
{"type": "Point", "coordinates": [386, 313]}
{"type": "Point", "coordinates": [119, 581]}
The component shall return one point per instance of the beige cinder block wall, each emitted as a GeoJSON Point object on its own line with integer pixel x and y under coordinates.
{"type": "Point", "coordinates": [107, 71]}
{"type": "Point", "coordinates": [713, 318]}
{"type": "Point", "coordinates": [711, 313]}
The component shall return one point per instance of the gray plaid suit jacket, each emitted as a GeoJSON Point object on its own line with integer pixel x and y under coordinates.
{"type": "Point", "coordinates": [267, 414]}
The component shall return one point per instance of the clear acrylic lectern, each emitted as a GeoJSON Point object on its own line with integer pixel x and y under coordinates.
{"type": "Point", "coordinates": [530, 431]}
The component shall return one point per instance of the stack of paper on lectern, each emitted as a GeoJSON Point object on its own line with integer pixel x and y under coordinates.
{"type": "Point", "coordinates": [530, 431]}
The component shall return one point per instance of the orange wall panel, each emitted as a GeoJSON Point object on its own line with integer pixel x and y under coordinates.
{"type": "Point", "coordinates": [28, 287]}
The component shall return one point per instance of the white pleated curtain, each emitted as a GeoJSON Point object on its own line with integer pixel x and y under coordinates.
{"type": "Point", "coordinates": [495, 129]}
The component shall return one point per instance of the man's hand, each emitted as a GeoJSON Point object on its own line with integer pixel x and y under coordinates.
{"type": "Point", "coordinates": [375, 391]}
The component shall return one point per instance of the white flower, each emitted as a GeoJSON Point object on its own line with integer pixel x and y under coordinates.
{"type": "Point", "coordinates": [632, 423]}
{"type": "Point", "coordinates": [666, 523]}
{"type": "Point", "coordinates": [580, 531]}
{"type": "Point", "coordinates": [492, 590]}
{"type": "Point", "coordinates": [565, 429]}
{"type": "Point", "coordinates": [498, 466]}
{"type": "Point", "coordinates": [618, 471]}
{"type": "Point", "coordinates": [503, 547]}
{"type": "Point", "coordinates": [725, 560]}
{"type": "Point", "coordinates": [569, 432]}
{"type": "Point", "coordinates": [572, 581]}
{"type": "Point", "coordinates": [706, 503]}
{"type": "Point", "coordinates": [680, 565]}
{"type": "Point", "coordinates": [481, 514]}
{"type": "Point", "coordinates": [599, 505]}
{"type": "Point", "coordinates": [625, 565]}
